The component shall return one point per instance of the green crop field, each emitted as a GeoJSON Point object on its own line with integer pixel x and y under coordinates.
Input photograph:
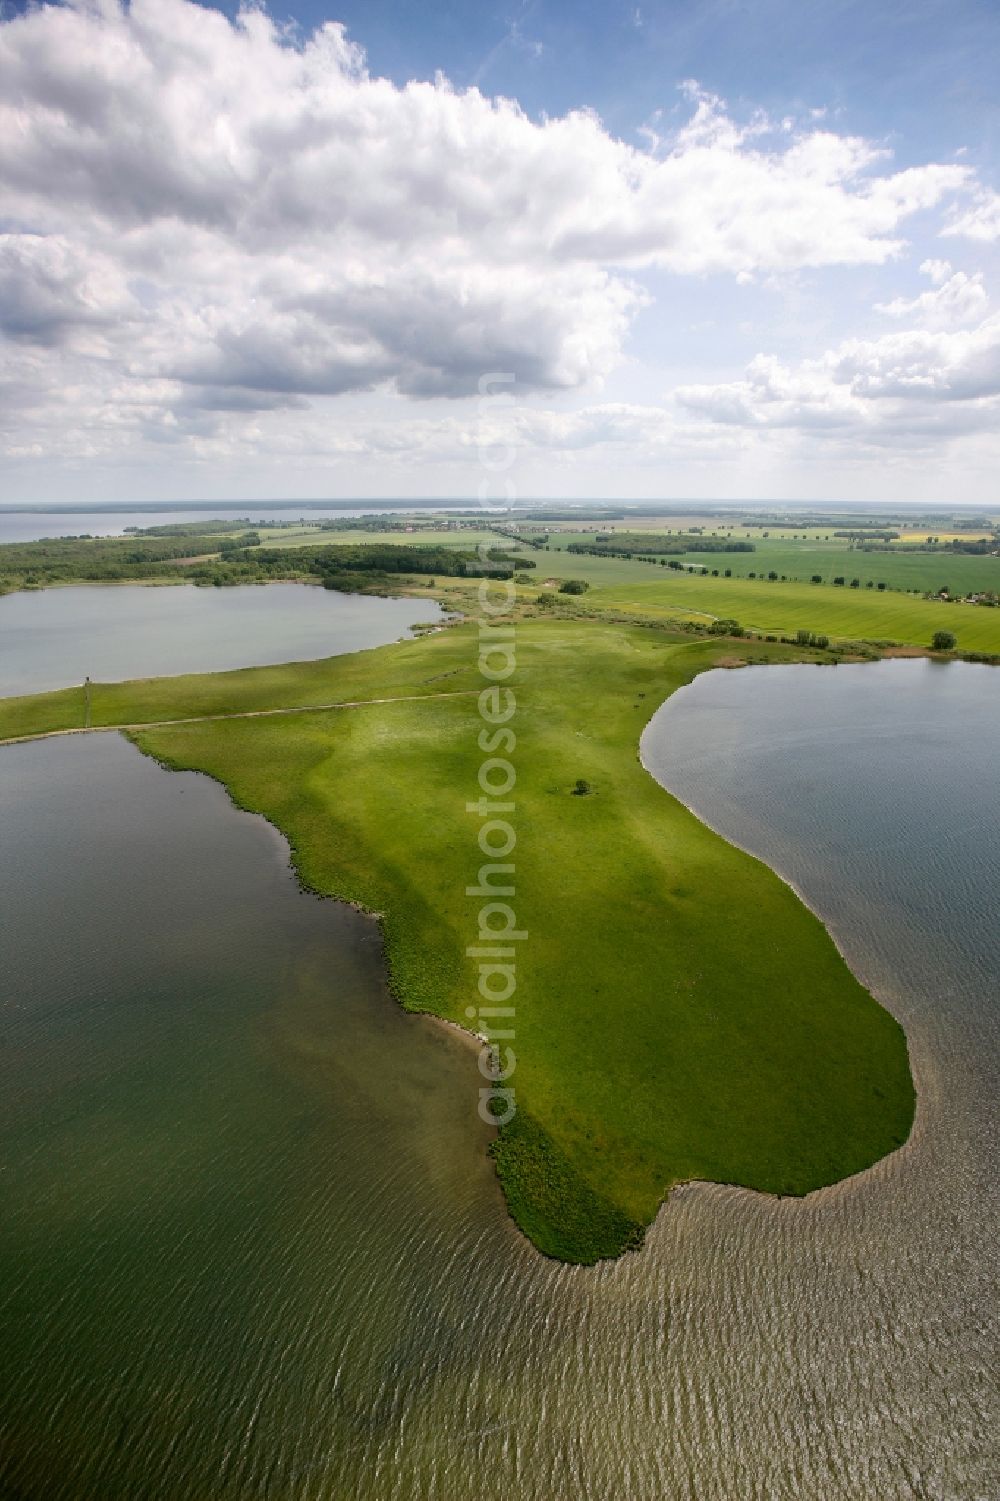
{"type": "Point", "coordinates": [645, 589]}
{"type": "Point", "coordinates": [421, 535]}
{"type": "Point", "coordinates": [679, 1013]}
{"type": "Point", "coordinates": [799, 560]}
{"type": "Point", "coordinates": [849, 614]}
{"type": "Point", "coordinates": [927, 572]}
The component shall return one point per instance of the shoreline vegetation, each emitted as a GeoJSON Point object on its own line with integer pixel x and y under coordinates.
{"type": "Point", "coordinates": [872, 587]}
{"type": "Point", "coordinates": [685, 1015]}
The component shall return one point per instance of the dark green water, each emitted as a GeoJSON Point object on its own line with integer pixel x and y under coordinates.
{"type": "Point", "coordinates": [250, 1244]}
{"type": "Point", "coordinates": [53, 638]}
{"type": "Point", "coordinates": [231, 1164]}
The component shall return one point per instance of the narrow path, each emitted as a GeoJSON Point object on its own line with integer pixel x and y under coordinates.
{"type": "Point", "coordinates": [163, 724]}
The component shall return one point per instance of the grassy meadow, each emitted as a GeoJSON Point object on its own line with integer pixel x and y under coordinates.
{"type": "Point", "coordinates": [647, 591]}
{"type": "Point", "coordinates": [422, 534]}
{"type": "Point", "coordinates": [800, 560]}
{"type": "Point", "coordinates": [679, 1013]}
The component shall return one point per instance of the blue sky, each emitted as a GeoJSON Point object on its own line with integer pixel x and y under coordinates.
{"type": "Point", "coordinates": [233, 262]}
{"type": "Point", "coordinates": [922, 73]}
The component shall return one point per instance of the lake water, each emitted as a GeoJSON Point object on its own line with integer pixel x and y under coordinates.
{"type": "Point", "coordinates": [250, 1243]}
{"type": "Point", "coordinates": [31, 526]}
{"type": "Point", "coordinates": [53, 638]}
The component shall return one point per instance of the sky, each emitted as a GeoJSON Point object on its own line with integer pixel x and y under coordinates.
{"type": "Point", "coordinates": [699, 249]}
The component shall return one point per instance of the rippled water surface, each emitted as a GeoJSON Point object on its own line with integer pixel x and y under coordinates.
{"type": "Point", "coordinates": [54, 638]}
{"type": "Point", "coordinates": [250, 1245]}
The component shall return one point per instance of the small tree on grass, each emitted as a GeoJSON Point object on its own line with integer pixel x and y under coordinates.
{"type": "Point", "coordinates": [581, 787]}
{"type": "Point", "coordinates": [944, 641]}
{"type": "Point", "coordinates": [574, 586]}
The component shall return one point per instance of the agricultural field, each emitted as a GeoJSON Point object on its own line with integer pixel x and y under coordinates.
{"type": "Point", "coordinates": [921, 571]}
{"type": "Point", "coordinates": [940, 534]}
{"type": "Point", "coordinates": [562, 533]}
{"type": "Point", "coordinates": [662, 1035]}
{"type": "Point", "coordinates": [421, 534]}
{"type": "Point", "coordinates": [785, 608]}
{"type": "Point", "coordinates": [646, 590]}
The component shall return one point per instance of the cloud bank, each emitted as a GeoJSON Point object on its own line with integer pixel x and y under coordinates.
{"type": "Point", "coordinates": [204, 217]}
{"type": "Point", "coordinates": [932, 382]}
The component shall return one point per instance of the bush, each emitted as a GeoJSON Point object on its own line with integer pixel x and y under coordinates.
{"type": "Point", "coordinates": [574, 586]}
{"type": "Point", "coordinates": [944, 641]}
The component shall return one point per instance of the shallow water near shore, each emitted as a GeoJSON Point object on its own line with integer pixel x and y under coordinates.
{"type": "Point", "coordinates": [54, 638]}
{"type": "Point", "coordinates": [250, 1242]}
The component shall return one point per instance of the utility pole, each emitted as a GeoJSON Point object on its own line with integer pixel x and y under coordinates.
{"type": "Point", "coordinates": [86, 703]}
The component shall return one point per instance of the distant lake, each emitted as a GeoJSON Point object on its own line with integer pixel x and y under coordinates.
{"type": "Point", "coordinates": [252, 1249]}
{"type": "Point", "coordinates": [53, 638]}
{"type": "Point", "coordinates": [31, 526]}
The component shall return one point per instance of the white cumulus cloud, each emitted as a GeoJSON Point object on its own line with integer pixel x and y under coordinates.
{"type": "Point", "coordinates": [955, 298]}
{"type": "Point", "coordinates": [205, 215]}
{"type": "Point", "coordinates": [979, 222]}
{"type": "Point", "coordinates": [918, 385]}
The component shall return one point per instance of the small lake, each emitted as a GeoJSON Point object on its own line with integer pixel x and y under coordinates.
{"type": "Point", "coordinates": [53, 638]}
{"type": "Point", "coordinates": [251, 1247]}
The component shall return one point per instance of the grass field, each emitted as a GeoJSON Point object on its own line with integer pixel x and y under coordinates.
{"type": "Point", "coordinates": [928, 572]}
{"type": "Point", "coordinates": [646, 590]}
{"type": "Point", "coordinates": [679, 1013]}
{"type": "Point", "coordinates": [962, 574]}
{"type": "Point", "coordinates": [420, 536]}
{"type": "Point", "coordinates": [718, 526]}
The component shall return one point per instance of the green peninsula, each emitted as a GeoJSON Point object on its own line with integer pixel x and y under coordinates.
{"type": "Point", "coordinates": [680, 1014]}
